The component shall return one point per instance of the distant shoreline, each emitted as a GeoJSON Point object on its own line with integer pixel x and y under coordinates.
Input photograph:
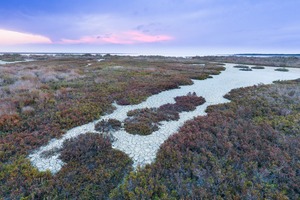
{"type": "Point", "coordinates": [147, 54]}
{"type": "Point", "coordinates": [266, 55]}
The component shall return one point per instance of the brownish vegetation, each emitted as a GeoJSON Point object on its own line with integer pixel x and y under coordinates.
{"type": "Point", "coordinates": [145, 121]}
{"type": "Point", "coordinates": [42, 99]}
{"type": "Point", "coordinates": [245, 149]}
{"type": "Point", "coordinates": [108, 125]}
{"type": "Point", "coordinates": [91, 171]}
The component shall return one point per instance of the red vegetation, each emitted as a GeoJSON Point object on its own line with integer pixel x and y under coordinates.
{"type": "Point", "coordinates": [93, 168]}
{"type": "Point", "coordinates": [41, 100]}
{"type": "Point", "coordinates": [236, 152]}
{"type": "Point", "coordinates": [188, 102]}
{"type": "Point", "coordinates": [9, 122]}
{"type": "Point", "coordinates": [145, 121]}
{"type": "Point", "coordinates": [84, 147]}
{"type": "Point", "coordinates": [108, 125]}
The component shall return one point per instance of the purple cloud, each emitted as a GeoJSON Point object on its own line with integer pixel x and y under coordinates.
{"type": "Point", "coordinates": [197, 25]}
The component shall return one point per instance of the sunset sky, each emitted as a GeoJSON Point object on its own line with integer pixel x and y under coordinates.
{"type": "Point", "coordinates": [166, 27]}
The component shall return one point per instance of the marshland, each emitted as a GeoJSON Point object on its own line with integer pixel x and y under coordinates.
{"type": "Point", "coordinates": [123, 127]}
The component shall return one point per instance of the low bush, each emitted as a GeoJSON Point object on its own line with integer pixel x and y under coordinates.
{"type": "Point", "coordinates": [108, 125]}
{"type": "Point", "coordinates": [233, 153]}
{"type": "Point", "coordinates": [144, 127]}
{"type": "Point", "coordinates": [282, 69]}
{"type": "Point", "coordinates": [258, 67]}
{"type": "Point", "coordinates": [84, 147]}
{"type": "Point", "coordinates": [188, 102]}
{"type": "Point", "coordinates": [9, 122]}
{"type": "Point", "coordinates": [93, 168]}
{"type": "Point", "coordinates": [145, 121]}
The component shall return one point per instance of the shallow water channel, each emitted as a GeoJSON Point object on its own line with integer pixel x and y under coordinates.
{"type": "Point", "coordinates": [143, 149]}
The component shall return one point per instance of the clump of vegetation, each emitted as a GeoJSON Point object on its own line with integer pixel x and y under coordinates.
{"type": "Point", "coordinates": [145, 121]}
{"type": "Point", "coordinates": [6, 80]}
{"type": "Point", "coordinates": [241, 66]}
{"type": "Point", "coordinates": [202, 77]}
{"type": "Point", "coordinates": [283, 69]}
{"type": "Point", "coordinates": [8, 122]}
{"type": "Point", "coordinates": [258, 67]}
{"type": "Point", "coordinates": [240, 150]}
{"type": "Point", "coordinates": [142, 127]}
{"type": "Point", "coordinates": [93, 168]}
{"type": "Point", "coordinates": [108, 125]}
{"type": "Point", "coordinates": [188, 102]}
{"type": "Point", "coordinates": [84, 147]}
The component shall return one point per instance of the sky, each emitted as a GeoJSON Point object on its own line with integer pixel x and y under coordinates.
{"type": "Point", "coordinates": [156, 27]}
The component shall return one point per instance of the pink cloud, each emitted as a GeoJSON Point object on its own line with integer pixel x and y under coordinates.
{"type": "Point", "coordinates": [130, 37]}
{"type": "Point", "coordinates": [12, 37]}
{"type": "Point", "coordinates": [141, 37]}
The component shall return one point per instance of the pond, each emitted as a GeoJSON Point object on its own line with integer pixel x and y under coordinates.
{"type": "Point", "coordinates": [143, 149]}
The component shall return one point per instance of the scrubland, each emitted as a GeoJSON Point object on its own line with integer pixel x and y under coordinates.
{"type": "Point", "coordinates": [245, 149]}
{"type": "Point", "coordinates": [42, 99]}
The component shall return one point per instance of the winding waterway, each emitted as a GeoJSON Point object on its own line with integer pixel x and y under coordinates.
{"type": "Point", "coordinates": [143, 149]}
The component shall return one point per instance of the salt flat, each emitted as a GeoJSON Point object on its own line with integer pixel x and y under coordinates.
{"type": "Point", "coordinates": [143, 149]}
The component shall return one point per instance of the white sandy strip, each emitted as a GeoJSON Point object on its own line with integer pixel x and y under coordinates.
{"type": "Point", "coordinates": [143, 149]}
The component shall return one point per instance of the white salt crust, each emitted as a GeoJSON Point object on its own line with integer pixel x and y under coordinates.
{"type": "Point", "coordinates": [142, 149]}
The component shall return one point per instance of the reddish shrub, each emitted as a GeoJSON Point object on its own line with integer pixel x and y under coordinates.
{"type": "Point", "coordinates": [108, 125]}
{"type": "Point", "coordinates": [9, 122]}
{"type": "Point", "coordinates": [140, 127]}
{"type": "Point", "coordinates": [240, 150]}
{"type": "Point", "coordinates": [145, 121]}
{"type": "Point", "coordinates": [188, 102]}
{"type": "Point", "coordinates": [93, 168]}
{"type": "Point", "coordinates": [84, 146]}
